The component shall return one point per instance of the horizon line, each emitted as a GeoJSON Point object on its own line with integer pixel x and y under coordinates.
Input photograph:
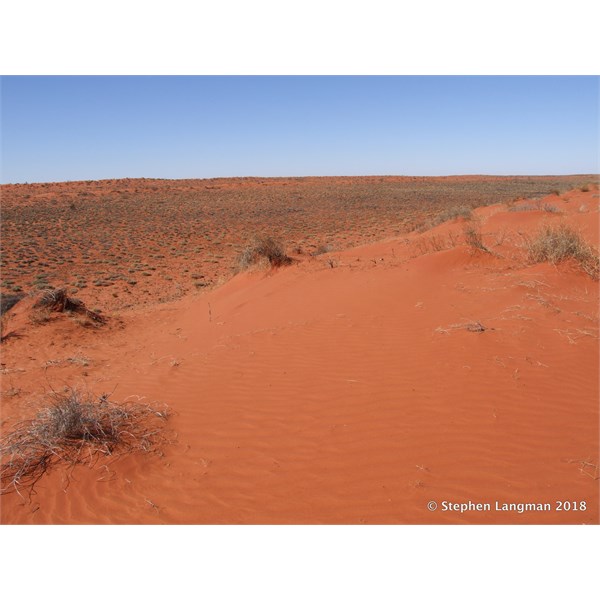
{"type": "Point", "coordinates": [455, 175]}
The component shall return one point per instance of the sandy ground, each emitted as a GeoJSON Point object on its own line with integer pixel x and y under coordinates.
{"type": "Point", "coordinates": [351, 387]}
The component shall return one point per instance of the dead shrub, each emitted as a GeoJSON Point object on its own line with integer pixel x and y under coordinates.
{"type": "Point", "coordinates": [76, 429]}
{"type": "Point", "coordinates": [322, 249]}
{"type": "Point", "coordinates": [549, 208]}
{"type": "Point", "coordinates": [264, 248]}
{"type": "Point", "coordinates": [474, 239]}
{"type": "Point", "coordinates": [556, 243]}
{"type": "Point", "coordinates": [58, 301]}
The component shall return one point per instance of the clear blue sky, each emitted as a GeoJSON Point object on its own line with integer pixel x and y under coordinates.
{"type": "Point", "coordinates": [73, 128]}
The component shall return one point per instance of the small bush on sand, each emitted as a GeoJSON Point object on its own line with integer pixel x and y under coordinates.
{"type": "Point", "coordinates": [474, 239]}
{"type": "Point", "coordinates": [264, 248]}
{"type": "Point", "coordinates": [549, 208]}
{"type": "Point", "coordinates": [58, 301]}
{"type": "Point", "coordinates": [76, 429]}
{"type": "Point", "coordinates": [322, 249]}
{"type": "Point", "coordinates": [560, 242]}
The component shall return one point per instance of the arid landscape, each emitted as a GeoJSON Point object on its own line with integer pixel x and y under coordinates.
{"type": "Point", "coordinates": [415, 340]}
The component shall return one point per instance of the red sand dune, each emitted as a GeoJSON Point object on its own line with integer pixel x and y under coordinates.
{"type": "Point", "coordinates": [353, 387]}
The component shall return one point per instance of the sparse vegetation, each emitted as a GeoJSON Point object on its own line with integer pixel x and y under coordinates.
{"type": "Point", "coordinates": [136, 226]}
{"type": "Point", "coordinates": [264, 248]}
{"type": "Point", "coordinates": [557, 243]}
{"type": "Point", "coordinates": [454, 212]}
{"type": "Point", "coordinates": [322, 249]}
{"type": "Point", "coordinates": [522, 208]}
{"type": "Point", "coordinates": [474, 239]}
{"type": "Point", "coordinates": [549, 208]}
{"type": "Point", "coordinates": [58, 301]}
{"type": "Point", "coordinates": [76, 429]}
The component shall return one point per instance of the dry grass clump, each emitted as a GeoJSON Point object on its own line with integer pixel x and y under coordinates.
{"type": "Point", "coordinates": [264, 248]}
{"type": "Point", "coordinates": [474, 239]}
{"type": "Point", "coordinates": [550, 208]}
{"type": "Point", "coordinates": [322, 249]}
{"type": "Point", "coordinates": [556, 243]}
{"type": "Point", "coordinates": [76, 429]}
{"type": "Point", "coordinates": [58, 301]}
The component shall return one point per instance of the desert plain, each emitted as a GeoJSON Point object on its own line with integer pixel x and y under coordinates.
{"type": "Point", "coordinates": [418, 349]}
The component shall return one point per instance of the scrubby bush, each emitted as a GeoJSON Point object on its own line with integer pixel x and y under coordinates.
{"type": "Point", "coordinates": [58, 301]}
{"type": "Point", "coordinates": [264, 248]}
{"type": "Point", "coordinates": [474, 239]}
{"type": "Point", "coordinates": [322, 249]}
{"type": "Point", "coordinates": [549, 208]}
{"type": "Point", "coordinates": [76, 429]}
{"type": "Point", "coordinates": [556, 243]}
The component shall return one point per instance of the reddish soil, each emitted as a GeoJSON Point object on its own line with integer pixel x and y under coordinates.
{"type": "Point", "coordinates": [354, 386]}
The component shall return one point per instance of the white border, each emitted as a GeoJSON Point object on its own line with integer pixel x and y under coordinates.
{"type": "Point", "coordinates": [310, 37]}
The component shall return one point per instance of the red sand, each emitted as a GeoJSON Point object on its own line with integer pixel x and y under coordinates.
{"type": "Point", "coordinates": [347, 388]}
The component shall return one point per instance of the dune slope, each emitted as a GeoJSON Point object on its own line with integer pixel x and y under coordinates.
{"type": "Point", "coordinates": [353, 387]}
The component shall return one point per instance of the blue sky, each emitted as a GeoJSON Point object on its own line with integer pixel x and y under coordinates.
{"type": "Point", "coordinates": [74, 128]}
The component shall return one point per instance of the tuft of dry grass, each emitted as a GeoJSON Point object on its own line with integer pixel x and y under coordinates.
{"type": "Point", "coordinates": [474, 239]}
{"type": "Point", "coordinates": [556, 243]}
{"type": "Point", "coordinates": [322, 249]}
{"type": "Point", "coordinates": [264, 248]}
{"type": "Point", "coordinates": [549, 208]}
{"type": "Point", "coordinates": [58, 301]}
{"type": "Point", "coordinates": [76, 429]}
